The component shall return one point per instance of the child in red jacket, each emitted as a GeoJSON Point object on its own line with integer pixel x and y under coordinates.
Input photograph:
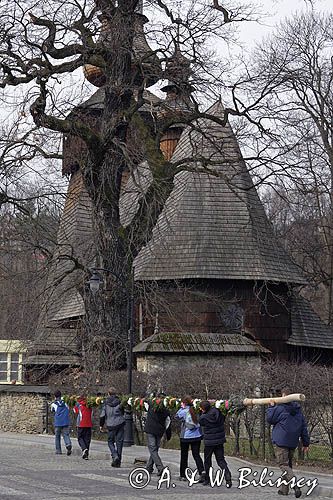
{"type": "Point", "coordinates": [84, 425]}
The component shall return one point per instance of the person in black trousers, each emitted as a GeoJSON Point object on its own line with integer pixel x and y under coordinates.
{"type": "Point", "coordinates": [84, 425]}
{"type": "Point", "coordinates": [212, 422]}
{"type": "Point", "coordinates": [113, 415]}
{"type": "Point", "coordinates": [190, 436]}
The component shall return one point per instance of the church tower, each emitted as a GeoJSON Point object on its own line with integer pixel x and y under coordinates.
{"type": "Point", "coordinates": [215, 281]}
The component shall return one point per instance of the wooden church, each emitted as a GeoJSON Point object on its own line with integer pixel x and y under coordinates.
{"type": "Point", "coordinates": [212, 282]}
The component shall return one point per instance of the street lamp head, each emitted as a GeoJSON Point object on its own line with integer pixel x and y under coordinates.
{"type": "Point", "coordinates": [95, 282]}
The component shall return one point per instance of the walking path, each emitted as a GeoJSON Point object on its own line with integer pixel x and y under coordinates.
{"type": "Point", "coordinates": [31, 470]}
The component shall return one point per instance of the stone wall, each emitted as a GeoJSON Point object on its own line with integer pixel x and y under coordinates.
{"type": "Point", "coordinates": [23, 411]}
{"type": "Point", "coordinates": [157, 362]}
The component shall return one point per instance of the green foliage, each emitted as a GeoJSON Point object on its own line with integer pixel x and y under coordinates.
{"type": "Point", "coordinates": [227, 407]}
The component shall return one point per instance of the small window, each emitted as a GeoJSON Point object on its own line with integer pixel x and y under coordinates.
{"type": "Point", "coordinates": [3, 366]}
{"type": "Point", "coordinates": [14, 367]}
{"type": "Point", "coordinates": [10, 367]}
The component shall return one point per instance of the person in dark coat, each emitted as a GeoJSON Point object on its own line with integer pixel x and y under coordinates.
{"type": "Point", "coordinates": [289, 426]}
{"type": "Point", "coordinates": [212, 422]}
{"type": "Point", "coordinates": [113, 415]}
{"type": "Point", "coordinates": [157, 423]}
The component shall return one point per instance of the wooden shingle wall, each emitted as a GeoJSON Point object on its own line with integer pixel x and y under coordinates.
{"type": "Point", "coordinates": [59, 320]}
{"type": "Point", "coordinates": [218, 307]}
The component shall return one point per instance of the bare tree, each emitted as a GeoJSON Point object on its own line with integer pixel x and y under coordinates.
{"type": "Point", "coordinates": [293, 69]}
{"type": "Point", "coordinates": [27, 241]}
{"type": "Point", "coordinates": [41, 43]}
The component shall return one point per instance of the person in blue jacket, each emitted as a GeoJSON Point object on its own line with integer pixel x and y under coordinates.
{"type": "Point", "coordinates": [289, 426]}
{"type": "Point", "coordinates": [61, 423]}
{"type": "Point", "coordinates": [190, 436]}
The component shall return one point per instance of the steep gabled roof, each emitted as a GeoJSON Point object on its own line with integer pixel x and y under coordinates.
{"type": "Point", "coordinates": [63, 300]}
{"type": "Point", "coordinates": [308, 330]}
{"type": "Point", "coordinates": [213, 224]}
{"type": "Point", "coordinates": [74, 242]}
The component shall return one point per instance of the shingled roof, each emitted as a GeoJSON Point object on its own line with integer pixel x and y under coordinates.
{"type": "Point", "coordinates": [59, 340]}
{"type": "Point", "coordinates": [213, 224]}
{"type": "Point", "coordinates": [180, 343]}
{"type": "Point", "coordinates": [75, 241]}
{"type": "Point", "coordinates": [63, 300]}
{"type": "Point", "coordinates": [54, 359]}
{"type": "Point", "coordinates": [308, 330]}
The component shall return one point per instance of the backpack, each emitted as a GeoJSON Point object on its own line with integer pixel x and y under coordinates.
{"type": "Point", "coordinates": [61, 413]}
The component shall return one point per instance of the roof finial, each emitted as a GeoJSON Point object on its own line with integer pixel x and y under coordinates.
{"type": "Point", "coordinates": [149, 66]}
{"type": "Point", "coordinates": [178, 90]}
{"type": "Point", "coordinates": [178, 67]}
{"type": "Point", "coordinates": [179, 4]}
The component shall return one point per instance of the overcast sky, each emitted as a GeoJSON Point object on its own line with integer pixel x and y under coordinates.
{"type": "Point", "coordinates": [276, 10]}
{"type": "Point", "coordinates": [249, 33]}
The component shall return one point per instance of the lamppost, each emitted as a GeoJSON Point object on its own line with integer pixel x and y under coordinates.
{"type": "Point", "coordinates": [95, 283]}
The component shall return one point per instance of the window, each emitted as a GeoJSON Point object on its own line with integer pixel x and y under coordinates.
{"type": "Point", "coordinates": [3, 366]}
{"type": "Point", "coordinates": [10, 367]}
{"type": "Point", "coordinates": [14, 367]}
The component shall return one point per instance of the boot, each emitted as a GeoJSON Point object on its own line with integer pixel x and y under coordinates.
{"type": "Point", "coordinates": [228, 479]}
{"type": "Point", "coordinates": [202, 477]}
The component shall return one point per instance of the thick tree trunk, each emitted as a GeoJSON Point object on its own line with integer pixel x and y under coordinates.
{"type": "Point", "coordinates": [105, 333]}
{"type": "Point", "coordinates": [106, 319]}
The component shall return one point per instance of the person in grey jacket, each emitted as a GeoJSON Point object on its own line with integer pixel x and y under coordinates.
{"type": "Point", "coordinates": [112, 415]}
